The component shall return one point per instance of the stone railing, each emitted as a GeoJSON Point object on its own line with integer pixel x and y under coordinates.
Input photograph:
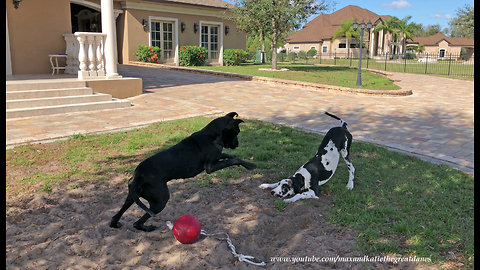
{"type": "Point", "coordinates": [85, 54]}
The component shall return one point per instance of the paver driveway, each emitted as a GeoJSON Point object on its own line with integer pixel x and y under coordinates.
{"type": "Point", "coordinates": [436, 122]}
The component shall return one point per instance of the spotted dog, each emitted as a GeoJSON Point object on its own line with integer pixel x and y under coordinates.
{"type": "Point", "coordinates": [318, 170]}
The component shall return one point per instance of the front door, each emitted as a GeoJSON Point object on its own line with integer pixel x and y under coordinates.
{"type": "Point", "coordinates": [210, 39]}
{"type": "Point", "coordinates": [162, 37]}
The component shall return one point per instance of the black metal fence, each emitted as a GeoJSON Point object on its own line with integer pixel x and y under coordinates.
{"type": "Point", "coordinates": [461, 65]}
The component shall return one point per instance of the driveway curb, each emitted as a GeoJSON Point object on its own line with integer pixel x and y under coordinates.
{"type": "Point", "coordinates": [316, 86]}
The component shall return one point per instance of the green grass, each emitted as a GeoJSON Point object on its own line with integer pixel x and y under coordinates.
{"type": "Point", "coordinates": [455, 69]}
{"type": "Point", "coordinates": [399, 205]}
{"type": "Point", "coordinates": [339, 76]}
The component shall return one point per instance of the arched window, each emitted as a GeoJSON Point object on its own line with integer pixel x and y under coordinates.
{"type": "Point", "coordinates": [441, 53]}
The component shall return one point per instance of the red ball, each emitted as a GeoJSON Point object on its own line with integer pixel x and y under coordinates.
{"type": "Point", "coordinates": [186, 229]}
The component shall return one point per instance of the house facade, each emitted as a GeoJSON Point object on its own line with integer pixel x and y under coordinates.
{"type": "Point", "coordinates": [318, 33]}
{"type": "Point", "coordinates": [37, 29]}
{"type": "Point", "coordinates": [441, 46]}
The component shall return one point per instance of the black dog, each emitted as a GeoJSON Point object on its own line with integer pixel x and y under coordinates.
{"type": "Point", "coordinates": [201, 151]}
{"type": "Point", "coordinates": [319, 169]}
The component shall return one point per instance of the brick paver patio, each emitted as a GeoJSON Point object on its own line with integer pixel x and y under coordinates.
{"type": "Point", "coordinates": [435, 123]}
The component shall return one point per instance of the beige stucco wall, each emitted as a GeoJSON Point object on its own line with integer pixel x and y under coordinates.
{"type": "Point", "coordinates": [302, 47]}
{"type": "Point", "coordinates": [35, 30]}
{"type": "Point", "coordinates": [134, 35]}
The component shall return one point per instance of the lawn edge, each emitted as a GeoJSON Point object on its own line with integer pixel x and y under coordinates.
{"type": "Point", "coordinates": [315, 86]}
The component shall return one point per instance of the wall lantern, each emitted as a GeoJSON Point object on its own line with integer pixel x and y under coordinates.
{"type": "Point", "coordinates": [16, 3]}
{"type": "Point", "coordinates": [227, 29]}
{"type": "Point", "coordinates": [144, 24]}
{"type": "Point", "coordinates": [195, 27]}
{"type": "Point", "coordinates": [182, 26]}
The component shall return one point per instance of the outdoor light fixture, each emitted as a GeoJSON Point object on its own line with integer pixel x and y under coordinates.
{"type": "Point", "coordinates": [195, 27]}
{"type": "Point", "coordinates": [144, 24]}
{"type": "Point", "coordinates": [227, 29]}
{"type": "Point", "coordinates": [16, 3]}
{"type": "Point", "coordinates": [362, 27]}
{"type": "Point", "coordinates": [182, 26]}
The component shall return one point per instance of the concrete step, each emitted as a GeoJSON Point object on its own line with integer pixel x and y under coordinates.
{"type": "Point", "coordinates": [47, 93]}
{"type": "Point", "coordinates": [55, 101]}
{"type": "Point", "coordinates": [43, 84]}
{"type": "Point", "coordinates": [59, 109]}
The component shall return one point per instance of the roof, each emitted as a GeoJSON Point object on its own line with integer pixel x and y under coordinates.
{"type": "Point", "coordinates": [433, 40]}
{"type": "Point", "coordinates": [324, 26]}
{"type": "Point", "coordinates": [205, 3]}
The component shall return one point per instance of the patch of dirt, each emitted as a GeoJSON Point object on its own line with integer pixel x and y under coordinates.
{"type": "Point", "coordinates": [69, 228]}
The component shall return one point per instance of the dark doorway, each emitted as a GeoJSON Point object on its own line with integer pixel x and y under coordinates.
{"type": "Point", "coordinates": [85, 19]}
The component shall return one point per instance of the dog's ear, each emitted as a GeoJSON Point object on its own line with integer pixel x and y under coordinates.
{"type": "Point", "coordinates": [232, 114]}
{"type": "Point", "coordinates": [236, 122]}
{"type": "Point", "coordinates": [298, 183]}
{"type": "Point", "coordinates": [289, 182]}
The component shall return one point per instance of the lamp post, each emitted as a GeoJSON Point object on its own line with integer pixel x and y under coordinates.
{"type": "Point", "coordinates": [362, 27]}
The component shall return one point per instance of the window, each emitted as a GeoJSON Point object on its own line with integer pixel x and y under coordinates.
{"type": "Point", "coordinates": [296, 47]}
{"type": "Point", "coordinates": [342, 45]}
{"type": "Point", "coordinates": [161, 34]}
{"type": "Point", "coordinates": [313, 48]}
{"type": "Point", "coordinates": [441, 53]}
{"type": "Point", "coordinates": [353, 45]}
{"type": "Point", "coordinates": [324, 49]}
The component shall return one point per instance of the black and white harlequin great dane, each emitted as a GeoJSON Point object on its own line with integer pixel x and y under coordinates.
{"type": "Point", "coordinates": [318, 170]}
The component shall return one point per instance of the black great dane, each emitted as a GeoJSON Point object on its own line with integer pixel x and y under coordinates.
{"type": "Point", "coordinates": [200, 151]}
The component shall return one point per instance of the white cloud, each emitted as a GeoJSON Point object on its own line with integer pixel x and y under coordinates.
{"type": "Point", "coordinates": [440, 15]}
{"type": "Point", "coordinates": [398, 4]}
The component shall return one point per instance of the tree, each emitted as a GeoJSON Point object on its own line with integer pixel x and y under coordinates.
{"type": "Point", "coordinates": [251, 16]}
{"type": "Point", "coordinates": [389, 26]}
{"type": "Point", "coordinates": [463, 25]}
{"type": "Point", "coordinates": [346, 30]}
{"type": "Point", "coordinates": [288, 15]}
{"type": "Point", "coordinates": [274, 18]}
{"type": "Point", "coordinates": [405, 29]}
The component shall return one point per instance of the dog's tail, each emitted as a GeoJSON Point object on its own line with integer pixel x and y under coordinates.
{"type": "Point", "coordinates": [342, 123]}
{"type": "Point", "coordinates": [132, 188]}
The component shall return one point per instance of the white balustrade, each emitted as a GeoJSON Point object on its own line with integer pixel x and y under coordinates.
{"type": "Point", "coordinates": [86, 54]}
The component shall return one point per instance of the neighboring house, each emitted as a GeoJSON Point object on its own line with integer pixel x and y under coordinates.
{"type": "Point", "coordinates": [439, 45]}
{"type": "Point", "coordinates": [318, 33]}
{"type": "Point", "coordinates": [37, 29]}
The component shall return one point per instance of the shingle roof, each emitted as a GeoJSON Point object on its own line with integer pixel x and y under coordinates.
{"type": "Point", "coordinates": [205, 3]}
{"type": "Point", "coordinates": [433, 40]}
{"type": "Point", "coordinates": [324, 26]}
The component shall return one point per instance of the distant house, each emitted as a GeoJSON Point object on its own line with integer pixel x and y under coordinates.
{"type": "Point", "coordinates": [441, 46]}
{"type": "Point", "coordinates": [318, 33]}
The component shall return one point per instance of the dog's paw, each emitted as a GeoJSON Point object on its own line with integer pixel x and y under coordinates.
{"type": "Point", "coordinates": [249, 166]}
{"type": "Point", "coordinates": [144, 228]}
{"type": "Point", "coordinates": [115, 224]}
{"type": "Point", "coordinates": [290, 200]}
{"type": "Point", "coordinates": [264, 186]}
{"type": "Point", "coordinates": [350, 185]}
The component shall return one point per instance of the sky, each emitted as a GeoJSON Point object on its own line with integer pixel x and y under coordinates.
{"type": "Point", "coordinates": [426, 12]}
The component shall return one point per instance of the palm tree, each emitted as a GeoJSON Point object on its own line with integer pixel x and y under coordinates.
{"type": "Point", "coordinates": [389, 26]}
{"type": "Point", "coordinates": [406, 30]}
{"type": "Point", "coordinates": [345, 30]}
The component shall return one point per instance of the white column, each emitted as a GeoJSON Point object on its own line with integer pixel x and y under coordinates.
{"type": "Point", "coordinates": [108, 27]}
{"type": "Point", "coordinates": [7, 45]}
{"type": "Point", "coordinates": [82, 58]}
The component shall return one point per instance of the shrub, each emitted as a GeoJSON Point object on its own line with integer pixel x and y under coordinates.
{"type": "Point", "coordinates": [192, 56]}
{"type": "Point", "coordinates": [410, 56]}
{"type": "Point", "coordinates": [302, 55]}
{"type": "Point", "coordinates": [148, 54]}
{"type": "Point", "coordinates": [234, 57]}
{"type": "Point", "coordinates": [291, 56]}
{"type": "Point", "coordinates": [311, 53]}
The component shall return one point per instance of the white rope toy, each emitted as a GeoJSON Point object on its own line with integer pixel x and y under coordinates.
{"type": "Point", "coordinates": [241, 257]}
